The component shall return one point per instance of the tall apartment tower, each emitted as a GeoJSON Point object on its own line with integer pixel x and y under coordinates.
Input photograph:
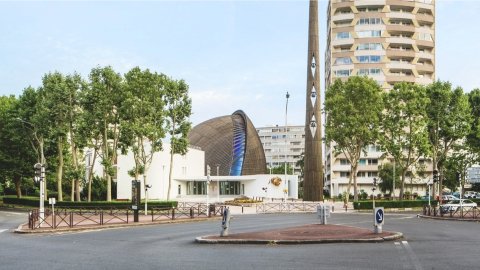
{"type": "Point", "coordinates": [390, 41]}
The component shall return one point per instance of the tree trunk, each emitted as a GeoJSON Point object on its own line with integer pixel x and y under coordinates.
{"type": "Point", "coordinates": [402, 184]}
{"type": "Point", "coordinates": [355, 186]}
{"type": "Point", "coordinates": [90, 176]}
{"type": "Point", "coordinates": [18, 185]}
{"type": "Point", "coordinates": [109, 187]}
{"type": "Point", "coordinates": [72, 193]}
{"type": "Point", "coordinates": [60, 169]}
{"type": "Point", "coordinates": [170, 171]}
{"type": "Point", "coordinates": [172, 152]}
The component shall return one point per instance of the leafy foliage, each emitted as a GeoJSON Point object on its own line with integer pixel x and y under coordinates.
{"type": "Point", "coordinates": [353, 112]}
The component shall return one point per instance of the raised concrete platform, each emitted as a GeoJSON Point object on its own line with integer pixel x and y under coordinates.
{"type": "Point", "coordinates": [306, 234]}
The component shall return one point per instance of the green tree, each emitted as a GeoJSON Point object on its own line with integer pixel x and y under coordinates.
{"type": "Point", "coordinates": [16, 158]}
{"type": "Point", "coordinates": [143, 118]}
{"type": "Point", "coordinates": [280, 169]}
{"type": "Point", "coordinates": [74, 85]}
{"type": "Point", "coordinates": [404, 127]}
{"type": "Point", "coordinates": [102, 102]}
{"type": "Point", "coordinates": [56, 110]}
{"type": "Point", "coordinates": [473, 138]}
{"type": "Point", "coordinates": [178, 111]}
{"type": "Point", "coordinates": [34, 117]}
{"type": "Point", "coordinates": [385, 175]}
{"type": "Point", "coordinates": [353, 111]}
{"type": "Point", "coordinates": [449, 121]}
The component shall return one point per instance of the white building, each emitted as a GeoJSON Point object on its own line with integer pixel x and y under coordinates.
{"type": "Point", "coordinates": [189, 181]}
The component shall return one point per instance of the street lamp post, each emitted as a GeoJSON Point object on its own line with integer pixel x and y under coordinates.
{"type": "Point", "coordinates": [285, 190]}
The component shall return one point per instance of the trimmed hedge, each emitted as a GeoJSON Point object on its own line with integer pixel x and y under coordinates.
{"type": "Point", "coordinates": [34, 202]}
{"type": "Point", "coordinates": [362, 205]}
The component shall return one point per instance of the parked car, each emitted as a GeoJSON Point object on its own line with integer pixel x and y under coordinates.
{"type": "Point", "coordinates": [449, 198]}
{"type": "Point", "coordinates": [471, 194]}
{"type": "Point", "coordinates": [454, 205]}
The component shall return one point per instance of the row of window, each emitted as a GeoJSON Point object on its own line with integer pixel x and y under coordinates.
{"type": "Point", "coordinates": [369, 161]}
{"type": "Point", "coordinates": [360, 34]}
{"type": "Point", "coordinates": [360, 59]}
{"type": "Point", "coordinates": [360, 174]}
{"type": "Point", "coordinates": [369, 71]}
{"type": "Point", "coordinates": [360, 72]}
{"type": "Point", "coordinates": [369, 47]}
{"type": "Point", "coordinates": [226, 188]}
{"type": "Point", "coordinates": [378, 33]}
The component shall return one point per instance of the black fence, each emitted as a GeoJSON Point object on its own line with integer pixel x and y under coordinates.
{"type": "Point", "coordinates": [464, 212]}
{"type": "Point", "coordinates": [90, 216]}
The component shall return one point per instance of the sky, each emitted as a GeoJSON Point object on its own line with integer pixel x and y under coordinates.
{"type": "Point", "coordinates": [234, 54]}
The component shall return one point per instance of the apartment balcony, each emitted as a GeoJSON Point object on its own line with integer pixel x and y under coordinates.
{"type": "Point", "coordinates": [342, 54]}
{"type": "Point", "coordinates": [341, 42]}
{"type": "Point", "coordinates": [400, 40]}
{"type": "Point", "coordinates": [362, 3]}
{"type": "Point", "coordinates": [367, 167]}
{"type": "Point", "coordinates": [395, 77]}
{"type": "Point", "coordinates": [341, 4]}
{"type": "Point", "coordinates": [425, 68]}
{"type": "Point", "coordinates": [403, 3]}
{"type": "Point", "coordinates": [401, 28]}
{"type": "Point", "coordinates": [425, 43]}
{"type": "Point", "coordinates": [425, 18]}
{"type": "Point", "coordinates": [425, 55]}
{"type": "Point", "coordinates": [410, 53]}
{"type": "Point", "coordinates": [400, 65]}
{"type": "Point", "coordinates": [343, 17]}
{"type": "Point", "coordinates": [401, 15]}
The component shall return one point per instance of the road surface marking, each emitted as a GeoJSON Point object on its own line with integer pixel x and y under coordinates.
{"type": "Point", "coordinates": [413, 257]}
{"type": "Point", "coordinates": [12, 213]}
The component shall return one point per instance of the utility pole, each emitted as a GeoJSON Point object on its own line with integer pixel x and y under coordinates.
{"type": "Point", "coordinates": [285, 185]}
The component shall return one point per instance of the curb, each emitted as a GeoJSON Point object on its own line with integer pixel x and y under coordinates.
{"type": "Point", "coordinates": [204, 240]}
{"type": "Point", "coordinates": [20, 229]}
{"type": "Point", "coordinates": [448, 218]}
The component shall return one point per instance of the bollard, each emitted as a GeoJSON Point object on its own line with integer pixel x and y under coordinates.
{"type": "Point", "coordinates": [225, 222]}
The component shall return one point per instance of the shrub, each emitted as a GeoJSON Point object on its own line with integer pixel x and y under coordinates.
{"type": "Point", "coordinates": [362, 205]}
{"type": "Point", "coordinates": [34, 202]}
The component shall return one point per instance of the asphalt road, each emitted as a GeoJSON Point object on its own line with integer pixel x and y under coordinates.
{"type": "Point", "coordinates": [428, 244]}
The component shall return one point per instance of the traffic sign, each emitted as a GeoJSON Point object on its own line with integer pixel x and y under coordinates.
{"type": "Point", "coordinates": [379, 216]}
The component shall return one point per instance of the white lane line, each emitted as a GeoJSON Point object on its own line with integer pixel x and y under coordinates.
{"type": "Point", "coordinates": [413, 257]}
{"type": "Point", "coordinates": [12, 213]}
{"type": "Point", "coordinates": [402, 255]}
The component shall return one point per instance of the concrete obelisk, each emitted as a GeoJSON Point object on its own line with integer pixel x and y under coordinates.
{"type": "Point", "coordinates": [313, 161]}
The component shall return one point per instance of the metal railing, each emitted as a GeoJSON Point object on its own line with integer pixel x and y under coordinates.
{"type": "Point", "coordinates": [287, 207]}
{"type": "Point", "coordinates": [465, 212]}
{"type": "Point", "coordinates": [76, 217]}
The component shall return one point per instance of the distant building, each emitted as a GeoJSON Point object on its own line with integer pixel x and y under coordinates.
{"type": "Point", "coordinates": [473, 174]}
{"type": "Point", "coordinates": [280, 147]}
